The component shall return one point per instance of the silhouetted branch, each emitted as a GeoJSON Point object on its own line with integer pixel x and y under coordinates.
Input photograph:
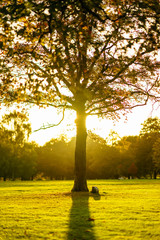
{"type": "Point", "coordinates": [50, 125]}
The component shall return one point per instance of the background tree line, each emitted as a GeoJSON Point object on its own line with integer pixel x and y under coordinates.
{"type": "Point", "coordinates": [114, 157]}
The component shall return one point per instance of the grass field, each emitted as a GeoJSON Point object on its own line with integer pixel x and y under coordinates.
{"type": "Point", "coordinates": [125, 209]}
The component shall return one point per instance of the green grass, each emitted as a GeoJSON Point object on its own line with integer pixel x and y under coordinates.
{"type": "Point", "coordinates": [126, 209]}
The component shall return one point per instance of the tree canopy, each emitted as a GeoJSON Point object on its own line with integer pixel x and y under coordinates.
{"type": "Point", "coordinates": [63, 53]}
{"type": "Point", "coordinates": [17, 125]}
{"type": "Point", "coordinates": [151, 126]}
{"type": "Point", "coordinates": [17, 156]}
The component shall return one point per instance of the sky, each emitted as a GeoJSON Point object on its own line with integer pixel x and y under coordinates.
{"type": "Point", "coordinates": [129, 124]}
{"type": "Point", "coordinates": [102, 127]}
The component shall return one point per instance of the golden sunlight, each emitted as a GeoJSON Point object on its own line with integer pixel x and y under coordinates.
{"type": "Point", "coordinates": [102, 127]}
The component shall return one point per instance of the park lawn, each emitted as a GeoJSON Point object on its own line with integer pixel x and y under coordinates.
{"type": "Point", "coordinates": [125, 209]}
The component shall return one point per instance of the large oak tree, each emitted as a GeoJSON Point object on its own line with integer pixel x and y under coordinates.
{"type": "Point", "coordinates": [94, 57]}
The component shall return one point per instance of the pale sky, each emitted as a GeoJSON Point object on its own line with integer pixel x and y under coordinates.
{"type": "Point", "coordinates": [102, 127]}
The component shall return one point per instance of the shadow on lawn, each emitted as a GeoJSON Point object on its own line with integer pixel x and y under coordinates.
{"type": "Point", "coordinates": [81, 223]}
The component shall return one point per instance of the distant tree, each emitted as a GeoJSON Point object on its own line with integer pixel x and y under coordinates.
{"type": "Point", "coordinates": [28, 161]}
{"type": "Point", "coordinates": [156, 157]}
{"type": "Point", "coordinates": [113, 138]}
{"type": "Point", "coordinates": [149, 135]}
{"type": "Point", "coordinates": [151, 125]}
{"type": "Point", "coordinates": [94, 57]}
{"type": "Point", "coordinates": [96, 152]}
{"type": "Point", "coordinates": [132, 170]}
{"type": "Point", "coordinates": [16, 123]}
{"type": "Point", "coordinates": [102, 160]}
{"type": "Point", "coordinates": [128, 149]}
{"type": "Point", "coordinates": [144, 157]}
{"type": "Point", "coordinates": [6, 153]}
{"type": "Point", "coordinates": [55, 159]}
{"type": "Point", "coordinates": [16, 130]}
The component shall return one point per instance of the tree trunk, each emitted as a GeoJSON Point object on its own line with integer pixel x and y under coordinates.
{"type": "Point", "coordinates": [80, 182]}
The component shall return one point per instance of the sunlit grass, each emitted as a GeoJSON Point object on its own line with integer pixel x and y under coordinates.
{"type": "Point", "coordinates": [126, 209]}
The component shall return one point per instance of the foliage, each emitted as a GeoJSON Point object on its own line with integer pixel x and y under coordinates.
{"type": "Point", "coordinates": [17, 158]}
{"type": "Point", "coordinates": [150, 134]}
{"type": "Point", "coordinates": [156, 155]}
{"type": "Point", "coordinates": [55, 159]}
{"type": "Point", "coordinates": [102, 159]}
{"type": "Point", "coordinates": [28, 161]}
{"type": "Point", "coordinates": [98, 53]}
{"type": "Point", "coordinates": [16, 123]}
{"type": "Point", "coordinates": [128, 149]}
{"type": "Point", "coordinates": [151, 125]}
{"type": "Point", "coordinates": [144, 157]}
{"type": "Point", "coordinates": [6, 153]}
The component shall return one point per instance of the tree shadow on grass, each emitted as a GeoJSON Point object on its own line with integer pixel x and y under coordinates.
{"type": "Point", "coordinates": [81, 225]}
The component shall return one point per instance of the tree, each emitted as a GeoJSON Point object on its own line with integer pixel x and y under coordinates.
{"type": "Point", "coordinates": [132, 170]}
{"type": "Point", "coordinates": [6, 153]}
{"type": "Point", "coordinates": [94, 57]}
{"type": "Point", "coordinates": [28, 161]}
{"type": "Point", "coordinates": [16, 123]}
{"type": "Point", "coordinates": [151, 125]}
{"type": "Point", "coordinates": [102, 160]}
{"type": "Point", "coordinates": [15, 132]}
{"type": "Point", "coordinates": [149, 135]}
{"type": "Point", "coordinates": [156, 157]}
{"type": "Point", "coordinates": [55, 159]}
{"type": "Point", "coordinates": [128, 150]}
{"type": "Point", "coordinates": [113, 138]}
{"type": "Point", "coordinates": [151, 132]}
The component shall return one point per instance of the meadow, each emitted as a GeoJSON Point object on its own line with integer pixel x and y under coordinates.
{"type": "Point", "coordinates": [47, 210]}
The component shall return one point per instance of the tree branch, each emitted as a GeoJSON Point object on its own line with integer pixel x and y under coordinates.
{"type": "Point", "coordinates": [44, 127]}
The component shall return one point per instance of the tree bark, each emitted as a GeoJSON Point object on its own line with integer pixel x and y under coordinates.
{"type": "Point", "coordinates": [80, 182]}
